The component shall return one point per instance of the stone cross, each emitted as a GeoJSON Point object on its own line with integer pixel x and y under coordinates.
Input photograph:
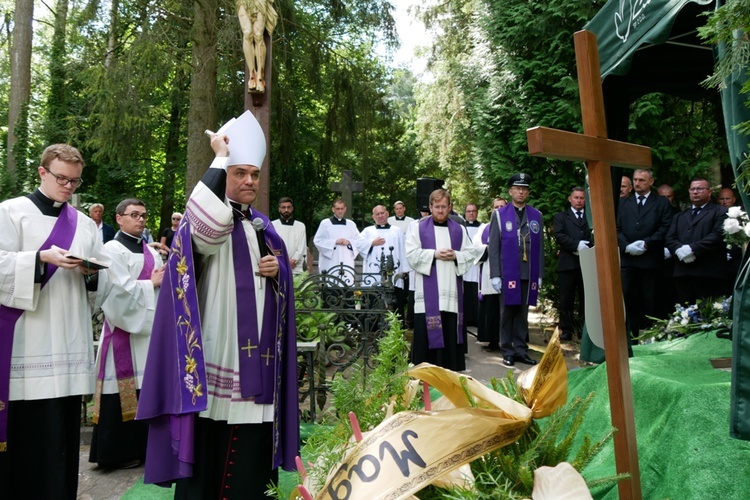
{"type": "Point", "coordinates": [599, 153]}
{"type": "Point", "coordinates": [346, 187]}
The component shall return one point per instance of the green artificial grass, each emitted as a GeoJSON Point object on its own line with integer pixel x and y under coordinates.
{"type": "Point", "coordinates": [681, 406]}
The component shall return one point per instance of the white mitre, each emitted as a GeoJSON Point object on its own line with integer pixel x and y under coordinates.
{"type": "Point", "coordinates": [247, 143]}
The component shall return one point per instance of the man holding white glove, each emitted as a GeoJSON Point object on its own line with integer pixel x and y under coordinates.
{"type": "Point", "coordinates": [516, 254]}
{"type": "Point", "coordinates": [572, 234]}
{"type": "Point", "coordinates": [696, 238]}
{"type": "Point", "coordinates": [642, 224]}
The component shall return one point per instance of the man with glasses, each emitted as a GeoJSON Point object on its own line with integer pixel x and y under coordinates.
{"type": "Point", "coordinates": [127, 295]}
{"type": "Point", "coordinates": [696, 239]}
{"type": "Point", "coordinates": [46, 339]}
{"type": "Point", "coordinates": [642, 224]}
{"type": "Point", "coordinates": [440, 251]}
{"type": "Point", "coordinates": [168, 233]}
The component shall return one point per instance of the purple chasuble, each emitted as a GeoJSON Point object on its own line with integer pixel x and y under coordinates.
{"type": "Point", "coordinates": [61, 236]}
{"type": "Point", "coordinates": [511, 262]}
{"type": "Point", "coordinates": [435, 339]}
{"type": "Point", "coordinates": [170, 452]}
{"type": "Point", "coordinates": [122, 354]}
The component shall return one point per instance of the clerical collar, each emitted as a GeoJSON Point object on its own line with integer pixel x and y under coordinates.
{"type": "Point", "coordinates": [285, 222]}
{"type": "Point", "coordinates": [132, 243]}
{"type": "Point", "coordinates": [45, 205]}
{"type": "Point", "coordinates": [335, 220]}
{"type": "Point", "coordinates": [385, 226]}
{"type": "Point", "coordinates": [400, 218]}
{"type": "Point", "coordinates": [441, 224]}
{"type": "Point", "coordinates": [476, 223]}
{"type": "Point", "coordinates": [240, 208]}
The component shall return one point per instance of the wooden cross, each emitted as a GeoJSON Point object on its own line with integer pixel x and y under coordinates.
{"type": "Point", "coordinates": [267, 355]}
{"type": "Point", "coordinates": [347, 186]}
{"type": "Point", "coordinates": [249, 349]}
{"type": "Point", "coordinates": [599, 153]}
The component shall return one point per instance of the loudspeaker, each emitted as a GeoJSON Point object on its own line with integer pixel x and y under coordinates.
{"type": "Point", "coordinates": [425, 187]}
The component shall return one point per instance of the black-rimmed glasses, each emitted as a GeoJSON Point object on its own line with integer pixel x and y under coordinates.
{"type": "Point", "coordinates": [62, 180]}
{"type": "Point", "coordinates": [136, 216]}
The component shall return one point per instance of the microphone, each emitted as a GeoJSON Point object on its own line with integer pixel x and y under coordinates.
{"type": "Point", "coordinates": [259, 227]}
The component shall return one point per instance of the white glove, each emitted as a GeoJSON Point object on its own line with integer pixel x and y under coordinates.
{"type": "Point", "coordinates": [636, 248]}
{"type": "Point", "coordinates": [497, 284]}
{"type": "Point", "coordinates": [667, 253]}
{"type": "Point", "coordinates": [582, 245]}
{"type": "Point", "coordinates": [689, 258]}
{"type": "Point", "coordinates": [683, 252]}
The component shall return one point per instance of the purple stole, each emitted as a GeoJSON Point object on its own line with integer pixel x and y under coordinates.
{"type": "Point", "coordinates": [511, 263]}
{"type": "Point", "coordinates": [62, 236]}
{"type": "Point", "coordinates": [174, 391]}
{"type": "Point", "coordinates": [123, 356]}
{"type": "Point", "coordinates": [433, 319]}
{"type": "Point", "coordinates": [257, 372]}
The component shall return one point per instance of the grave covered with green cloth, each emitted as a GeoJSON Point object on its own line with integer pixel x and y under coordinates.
{"type": "Point", "coordinates": [681, 404]}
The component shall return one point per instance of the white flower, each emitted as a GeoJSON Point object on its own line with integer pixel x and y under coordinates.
{"type": "Point", "coordinates": [684, 321]}
{"type": "Point", "coordinates": [735, 212]}
{"type": "Point", "coordinates": [718, 306]}
{"type": "Point", "coordinates": [747, 230]}
{"type": "Point", "coordinates": [732, 226]}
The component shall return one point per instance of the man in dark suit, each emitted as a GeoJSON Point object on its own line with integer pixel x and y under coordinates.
{"type": "Point", "coordinates": [642, 224]}
{"type": "Point", "coordinates": [572, 234]}
{"type": "Point", "coordinates": [666, 293]}
{"type": "Point", "coordinates": [106, 232]}
{"type": "Point", "coordinates": [696, 238]}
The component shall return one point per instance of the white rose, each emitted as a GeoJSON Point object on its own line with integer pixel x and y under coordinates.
{"type": "Point", "coordinates": [747, 230]}
{"type": "Point", "coordinates": [734, 212]}
{"type": "Point", "coordinates": [732, 226]}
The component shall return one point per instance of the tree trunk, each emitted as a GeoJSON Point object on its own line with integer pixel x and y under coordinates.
{"type": "Point", "coordinates": [57, 108]}
{"type": "Point", "coordinates": [112, 33]}
{"type": "Point", "coordinates": [202, 114]}
{"type": "Point", "coordinates": [20, 82]}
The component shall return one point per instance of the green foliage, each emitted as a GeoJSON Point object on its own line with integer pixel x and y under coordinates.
{"type": "Point", "coordinates": [386, 383]}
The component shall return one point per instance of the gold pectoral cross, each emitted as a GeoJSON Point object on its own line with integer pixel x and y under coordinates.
{"type": "Point", "coordinates": [267, 355]}
{"type": "Point", "coordinates": [249, 349]}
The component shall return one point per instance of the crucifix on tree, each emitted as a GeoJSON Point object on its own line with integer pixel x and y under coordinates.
{"type": "Point", "coordinates": [599, 153]}
{"type": "Point", "coordinates": [258, 20]}
{"type": "Point", "coordinates": [347, 186]}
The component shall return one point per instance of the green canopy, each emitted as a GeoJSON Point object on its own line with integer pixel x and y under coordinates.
{"type": "Point", "coordinates": [652, 46]}
{"type": "Point", "coordinates": [622, 28]}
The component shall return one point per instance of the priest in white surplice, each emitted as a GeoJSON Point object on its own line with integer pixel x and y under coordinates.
{"type": "Point", "coordinates": [46, 339]}
{"type": "Point", "coordinates": [240, 322]}
{"type": "Point", "coordinates": [471, 278]}
{"type": "Point", "coordinates": [400, 219]}
{"type": "Point", "coordinates": [127, 295]}
{"type": "Point", "coordinates": [384, 241]}
{"type": "Point", "coordinates": [336, 241]}
{"type": "Point", "coordinates": [440, 251]}
{"type": "Point", "coordinates": [294, 234]}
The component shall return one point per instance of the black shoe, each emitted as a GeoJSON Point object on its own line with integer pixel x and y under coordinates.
{"type": "Point", "coordinates": [508, 361]}
{"type": "Point", "coordinates": [491, 348]}
{"type": "Point", "coordinates": [525, 359]}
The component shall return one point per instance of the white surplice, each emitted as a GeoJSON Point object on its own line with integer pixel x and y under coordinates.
{"type": "Point", "coordinates": [295, 238]}
{"type": "Point", "coordinates": [394, 237]}
{"type": "Point", "coordinates": [332, 254]}
{"type": "Point", "coordinates": [211, 224]}
{"type": "Point", "coordinates": [128, 303]}
{"type": "Point", "coordinates": [53, 350]}
{"type": "Point", "coordinates": [421, 261]}
{"type": "Point", "coordinates": [485, 283]}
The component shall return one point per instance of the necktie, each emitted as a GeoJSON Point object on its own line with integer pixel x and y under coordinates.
{"type": "Point", "coordinates": [641, 200]}
{"type": "Point", "coordinates": [696, 211]}
{"type": "Point", "coordinates": [579, 215]}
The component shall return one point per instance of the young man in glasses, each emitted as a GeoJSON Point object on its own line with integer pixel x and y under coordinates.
{"type": "Point", "coordinates": [46, 340]}
{"type": "Point", "coordinates": [127, 295]}
{"type": "Point", "coordinates": [696, 239]}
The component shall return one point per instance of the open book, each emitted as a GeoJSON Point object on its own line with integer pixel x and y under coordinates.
{"type": "Point", "coordinates": [91, 263]}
